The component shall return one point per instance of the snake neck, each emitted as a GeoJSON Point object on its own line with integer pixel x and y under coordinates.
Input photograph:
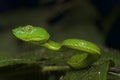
{"type": "Point", "coordinates": [52, 45]}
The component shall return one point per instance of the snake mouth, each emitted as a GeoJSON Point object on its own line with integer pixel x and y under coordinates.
{"type": "Point", "coordinates": [35, 39]}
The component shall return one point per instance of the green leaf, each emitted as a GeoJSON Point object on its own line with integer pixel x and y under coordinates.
{"type": "Point", "coordinates": [41, 59]}
{"type": "Point", "coordinates": [94, 73]}
{"type": "Point", "coordinates": [52, 58]}
{"type": "Point", "coordinates": [110, 55]}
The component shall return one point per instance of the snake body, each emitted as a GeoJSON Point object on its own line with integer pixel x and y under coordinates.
{"type": "Point", "coordinates": [40, 36]}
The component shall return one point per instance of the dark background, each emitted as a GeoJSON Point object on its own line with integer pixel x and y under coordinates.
{"type": "Point", "coordinates": [94, 20]}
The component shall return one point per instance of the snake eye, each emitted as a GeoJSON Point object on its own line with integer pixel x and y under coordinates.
{"type": "Point", "coordinates": [30, 33]}
{"type": "Point", "coordinates": [29, 28]}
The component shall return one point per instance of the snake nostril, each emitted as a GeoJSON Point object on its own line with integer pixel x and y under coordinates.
{"type": "Point", "coordinates": [22, 30]}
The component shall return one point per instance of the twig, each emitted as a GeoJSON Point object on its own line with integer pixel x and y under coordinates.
{"type": "Point", "coordinates": [115, 74]}
{"type": "Point", "coordinates": [55, 68]}
{"type": "Point", "coordinates": [112, 70]}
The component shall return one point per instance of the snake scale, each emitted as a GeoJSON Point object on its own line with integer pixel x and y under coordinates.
{"type": "Point", "coordinates": [38, 35]}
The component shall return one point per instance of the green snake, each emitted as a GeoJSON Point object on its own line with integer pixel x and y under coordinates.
{"type": "Point", "coordinates": [39, 36]}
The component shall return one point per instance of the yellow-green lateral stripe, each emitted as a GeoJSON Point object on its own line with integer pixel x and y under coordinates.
{"type": "Point", "coordinates": [82, 45]}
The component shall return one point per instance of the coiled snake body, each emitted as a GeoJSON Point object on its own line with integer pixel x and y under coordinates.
{"type": "Point", "coordinates": [40, 36]}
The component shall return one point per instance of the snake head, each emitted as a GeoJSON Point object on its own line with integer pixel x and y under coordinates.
{"type": "Point", "coordinates": [31, 34]}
